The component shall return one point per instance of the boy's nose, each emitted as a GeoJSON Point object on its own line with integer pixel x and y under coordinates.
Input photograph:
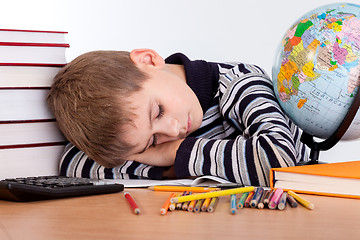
{"type": "Point", "coordinates": [169, 131]}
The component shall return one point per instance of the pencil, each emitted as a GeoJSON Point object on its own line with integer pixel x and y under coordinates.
{"type": "Point", "coordinates": [268, 198]}
{"type": "Point", "coordinates": [248, 199]}
{"type": "Point", "coordinates": [261, 204]}
{"type": "Point", "coordinates": [302, 200]}
{"type": "Point", "coordinates": [179, 205]}
{"type": "Point", "coordinates": [132, 203]}
{"type": "Point", "coordinates": [275, 198]}
{"type": "Point", "coordinates": [182, 189]}
{"type": "Point", "coordinates": [198, 205]}
{"type": "Point", "coordinates": [256, 198]}
{"type": "Point", "coordinates": [186, 204]}
{"type": "Point", "coordinates": [213, 204]}
{"type": "Point", "coordinates": [205, 205]}
{"type": "Point", "coordinates": [173, 205]}
{"type": "Point", "coordinates": [282, 201]}
{"type": "Point", "coordinates": [212, 194]}
{"type": "Point", "coordinates": [293, 203]}
{"type": "Point", "coordinates": [191, 205]}
{"type": "Point", "coordinates": [242, 200]}
{"type": "Point", "coordinates": [233, 204]}
{"type": "Point", "coordinates": [166, 205]}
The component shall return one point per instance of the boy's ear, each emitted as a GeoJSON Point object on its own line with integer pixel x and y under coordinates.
{"type": "Point", "coordinates": [146, 57]}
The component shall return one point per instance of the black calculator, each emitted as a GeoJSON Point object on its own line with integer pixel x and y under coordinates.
{"type": "Point", "coordinates": [53, 187]}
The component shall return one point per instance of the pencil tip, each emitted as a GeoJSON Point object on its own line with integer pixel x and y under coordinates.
{"type": "Point", "coordinates": [151, 188]}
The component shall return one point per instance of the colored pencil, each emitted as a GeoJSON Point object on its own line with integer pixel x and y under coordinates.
{"type": "Point", "coordinates": [173, 205]}
{"type": "Point", "coordinates": [293, 203]}
{"type": "Point", "coordinates": [213, 204]}
{"type": "Point", "coordinates": [198, 205]}
{"type": "Point", "coordinates": [191, 205]}
{"type": "Point", "coordinates": [248, 199]}
{"type": "Point", "coordinates": [282, 201]}
{"type": "Point", "coordinates": [166, 205]}
{"type": "Point", "coordinates": [275, 198]}
{"type": "Point", "coordinates": [205, 205]}
{"type": "Point", "coordinates": [256, 198]}
{"type": "Point", "coordinates": [233, 204]}
{"type": "Point", "coordinates": [132, 203]}
{"type": "Point", "coordinates": [242, 200]}
{"type": "Point", "coordinates": [268, 198]}
{"type": "Point", "coordinates": [182, 189]}
{"type": "Point", "coordinates": [212, 194]}
{"type": "Point", "coordinates": [179, 205]}
{"type": "Point", "coordinates": [302, 200]}
{"type": "Point", "coordinates": [261, 204]}
{"type": "Point", "coordinates": [186, 204]}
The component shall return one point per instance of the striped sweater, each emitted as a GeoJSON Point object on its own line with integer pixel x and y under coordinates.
{"type": "Point", "coordinates": [244, 132]}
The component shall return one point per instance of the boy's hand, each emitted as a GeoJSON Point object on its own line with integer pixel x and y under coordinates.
{"type": "Point", "coordinates": [162, 155]}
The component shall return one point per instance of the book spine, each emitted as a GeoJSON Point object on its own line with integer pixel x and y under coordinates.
{"type": "Point", "coordinates": [30, 31]}
{"type": "Point", "coordinates": [33, 64]}
{"type": "Point", "coordinates": [28, 44]}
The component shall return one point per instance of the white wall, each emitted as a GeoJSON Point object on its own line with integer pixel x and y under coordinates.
{"type": "Point", "coordinates": [224, 30]}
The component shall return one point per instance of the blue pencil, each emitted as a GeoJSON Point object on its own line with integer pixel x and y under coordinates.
{"type": "Point", "coordinates": [233, 204]}
{"type": "Point", "coordinates": [256, 198]}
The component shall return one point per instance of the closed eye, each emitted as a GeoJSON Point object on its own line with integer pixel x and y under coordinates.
{"type": "Point", "coordinates": [160, 114]}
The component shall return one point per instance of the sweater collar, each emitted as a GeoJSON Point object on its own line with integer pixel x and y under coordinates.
{"type": "Point", "coordinates": [201, 76]}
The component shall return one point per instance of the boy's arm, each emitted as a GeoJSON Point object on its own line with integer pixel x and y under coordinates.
{"type": "Point", "coordinates": [263, 138]}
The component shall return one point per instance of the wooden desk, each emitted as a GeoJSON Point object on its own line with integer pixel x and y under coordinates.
{"type": "Point", "coordinates": [109, 217]}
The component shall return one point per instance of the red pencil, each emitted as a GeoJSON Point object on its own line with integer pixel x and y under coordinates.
{"type": "Point", "coordinates": [132, 203]}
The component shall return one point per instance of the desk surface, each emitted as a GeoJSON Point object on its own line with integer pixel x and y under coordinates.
{"type": "Point", "coordinates": [109, 217]}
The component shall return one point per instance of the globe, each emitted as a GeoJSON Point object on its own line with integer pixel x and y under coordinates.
{"type": "Point", "coordinates": [316, 75]}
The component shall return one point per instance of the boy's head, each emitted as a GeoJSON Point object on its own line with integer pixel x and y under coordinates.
{"type": "Point", "coordinates": [113, 105]}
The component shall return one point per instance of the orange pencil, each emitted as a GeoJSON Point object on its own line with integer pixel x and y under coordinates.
{"type": "Point", "coordinates": [165, 208]}
{"type": "Point", "coordinates": [191, 205]}
{"type": "Point", "coordinates": [206, 204]}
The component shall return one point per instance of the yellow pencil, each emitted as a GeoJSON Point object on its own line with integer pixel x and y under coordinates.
{"type": "Point", "coordinates": [212, 194]}
{"type": "Point", "coordinates": [302, 200]}
{"type": "Point", "coordinates": [182, 189]}
{"type": "Point", "coordinates": [205, 205]}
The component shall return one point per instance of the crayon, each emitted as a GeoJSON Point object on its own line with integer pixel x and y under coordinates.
{"type": "Point", "coordinates": [261, 204]}
{"type": "Point", "coordinates": [166, 205]}
{"type": "Point", "coordinates": [248, 199]}
{"type": "Point", "coordinates": [205, 205]}
{"type": "Point", "coordinates": [182, 189]}
{"type": "Point", "coordinates": [212, 194]}
{"type": "Point", "coordinates": [302, 200]}
{"type": "Point", "coordinates": [213, 204]}
{"type": "Point", "coordinates": [282, 202]}
{"type": "Point", "coordinates": [132, 203]}
{"type": "Point", "coordinates": [293, 203]}
{"type": "Point", "coordinates": [233, 204]}
{"type": "Point", "coordinates": [256, 198]}
{"type": "Point", "coordinates": [242, 200]}
{"type": "Point", "coordinates": [275, 198]}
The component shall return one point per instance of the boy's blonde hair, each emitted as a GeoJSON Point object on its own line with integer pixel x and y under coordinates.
{"type": "Point", "coordinates": [88, 101]}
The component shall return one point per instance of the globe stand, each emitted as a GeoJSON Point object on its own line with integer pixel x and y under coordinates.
{"type": "Point", "coordinates": [316, 147]}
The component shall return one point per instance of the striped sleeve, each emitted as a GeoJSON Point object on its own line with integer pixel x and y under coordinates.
{"type": "Point", "coordinates": [75, 163]}
{"type": "Point", "coordinates": [259, 136]}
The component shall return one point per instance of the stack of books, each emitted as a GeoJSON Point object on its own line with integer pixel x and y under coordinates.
{"type": "Point", "coordinates": [30, 141]}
